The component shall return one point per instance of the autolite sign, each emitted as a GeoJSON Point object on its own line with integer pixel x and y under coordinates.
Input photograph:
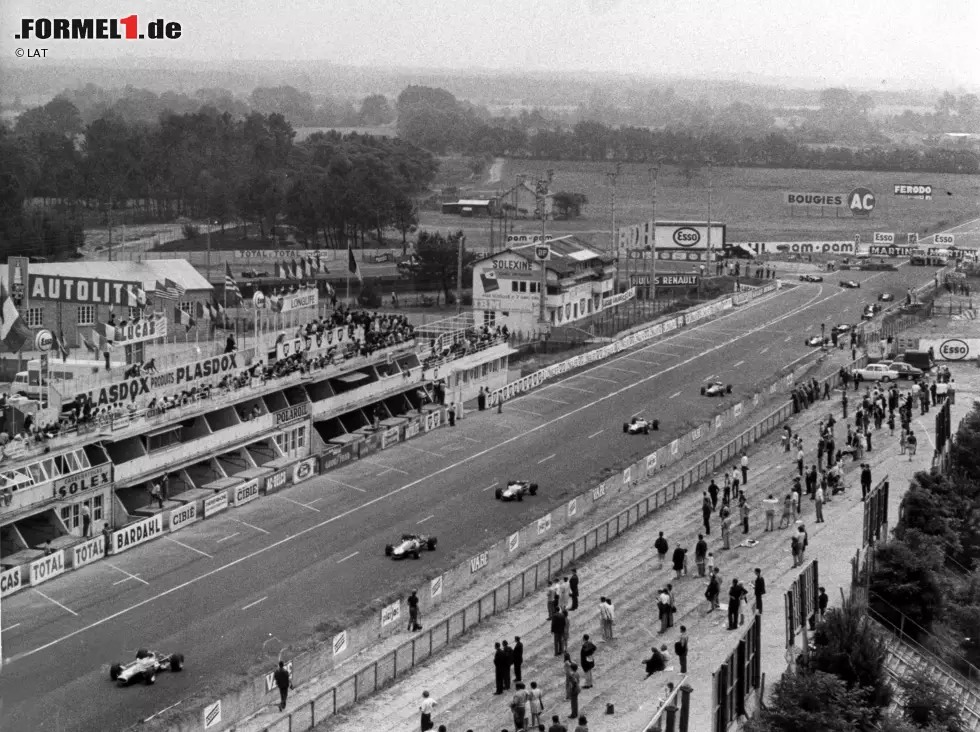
{"type": "Point", "coordinates": [81, 290]}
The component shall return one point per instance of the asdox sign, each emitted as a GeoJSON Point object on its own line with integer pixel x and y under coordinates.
{"type": "Point", "coordinates": [138, 533]}
{"type": "Point", "coordinates": [10, 581]}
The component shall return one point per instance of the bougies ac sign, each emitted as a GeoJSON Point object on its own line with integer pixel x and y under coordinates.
{"type": "Point", "coordinates": [142, 388]}
{"type": "Point", "coordinates": [81, 290]}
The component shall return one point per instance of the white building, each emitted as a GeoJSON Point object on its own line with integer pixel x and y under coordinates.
{"type": "Point", "coordinates": [506, 285]}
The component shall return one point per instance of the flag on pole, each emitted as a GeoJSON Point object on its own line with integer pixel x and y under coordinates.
{"type": "Point", "coordinates": [174, 289]}
{"type": "Point", "coordinates": [61, 344]}
{"type": "Point", "coordinates": [330, 289]}
{"type": "Point", "coordinates": [293, 269]}
{"type": "Point", "coordinates": [218, 308]}
{"type": "Point", "coordinates": [14, 332]}
{"type": "Point", "coordinates": [106, 331]}
{"type": "Point", "coordinates": [281, 272]}
{"type": "Point", "coordinates": [311, 267]}
{"type": "Point", "coordinates": [320, 266]}
{"type": "Point", "coordinates": [184, 318]}
{"type": "Point", "coordinates": [164, 292]}
{"type": "Point", "coordinates": [352, 264]}
{"type": "Point", "coordinates": [204, 310]}
{"type": "Point", "coordinates": [230, 284]}
{"type": "Point", "coordinates": [301, 269]}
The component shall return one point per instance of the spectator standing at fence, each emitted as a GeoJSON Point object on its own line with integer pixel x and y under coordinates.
{"type": "Point", "coordinates": [284, 683]}
{"type": "Point", "coordinates": [517, 657]}
{"type": "Point", "coordinates": [822, 601]}
{"type": "Point", "coordinates": [787, 518]}
{"type": "Point", "coordinates": [865, 480]}
{"type": "Point", "coordinates": [86, 521]}
{"type": "Point", "coordinates": [712, 591]}
{"type": "Point", "coordinates": [759, 589]}
{"type": "Point", "coordinates": [661, 546]}
{"type": "Point", "coordinates": [770, 504]}
{"type": "Point", "coordinates": [609, 618]}
{"type": "Point", "coordinates": [726, 493]}
{"type": "Point", "coordinates": [680, 648]}
{"type": "Point", "coordinates": [500, 668]}
{"type": "Point", "coordinates": [508, 663]}
{"type": "Point", "coordinates": [911, 442]}
{"type": "Point", "coordinates": [563, 593]}
{"type": "Point", "coordinates": [713, 493]}
{"type": "Point", "coordinates": [574, 687]}
{"type": "Point", "coordinates": [156, 493]}
{"type": "Point", "coordinates": [726, 532]}
{"type": "Point", "coordinates": [552, 599]}
{"type": "Point", "coordinates": [700, 554]}
{"type": "Point", "coordinates": [744, 465]}
{"type": "Point", "coordinates": [706, 508]}
{"type": "Point", "coordinates": [734, 601]}
{"type": "Point", "coordinates": [663, 609]}
{"type": "Point", "coordinates": [680, 559]}
{"type": "Point", "coordinates": [804, 541]}
{"type": "Point", "coordinates": [573, 589]}
{"type": "Point", "coordinates": [558, 631]}
{"type": "Point", "coordinates": [744, 509]}
{"type": "Point", "coordinates": [427, 706]}
{"type": "Point", "coordinates": [818, 501]}
{"type": "Point", "coordinates": [413, 613]}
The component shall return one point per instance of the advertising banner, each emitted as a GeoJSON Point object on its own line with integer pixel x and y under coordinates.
{"type": "Point", "coordinates": [71, 485]}
{"type": "Point", "coordinates": [88, 552]}
{"type": "Point", "coordinates": [340, 643]}
{"type": "Point", "coordinates": [611, 302]}
{"type": "Point", "coordinates": [671, 235]}
{"type": "Point", "coordinates": [390, 436]}
{"type": "Point", "coordinates": [433, 420]}
{"type": "Point", "coordinates": [883, 237]}
{"type": "Point", "coordinates": [318, 343]}
{"type": "Point", "coordinates": [921, 191]}
{"type": "Point", "coordinates": [275, 253]}
{"type": "Point", "coordinates": [270, 679]}
{"type": "Point", "coordinates": [944, 240]}
{"type": "Point", "coordinates": [892, 251]}
{"type": "Point", "coordinates": [10, 581]}
{"type": "Point", "coordinates": [337, 456]}
{"type": "Point", "coordinates": [45, 568]}
{"type": "Point", "coordinates": [413, 427]}
{"type": "Point", "coordinates": [142, 389]}
{"type": "Point", "coordinates": [814, 199]}
{"type": "Point", "coordinates": [799, 247]}
{"type": "Point", "coordinates": [304, 470]}
{"type": "Point", "coordinates": [18, 269]}
{"type": "Point", "coordinates": [391, 613]}
{"type": "Point", "coordinates": [526, 239]}
{"type": "Point", "coordinates": [276, 481]}
{"type": "Point", "coordinates": [677, 280]}
{"type": "Point", "coordinates": [308, 298]}
{"type": "Point", "coordinates": [245, 492]}
{"type": "Point", "coordinates": [82, 290]}
{"type": "Point", "coordinates": [183, 516]}
{"type": "Point", "coordinates": [370, 445]}
{"type": "Point", "coordinates": [212, 715]}
{"type": "Point", "coordinates": [215, 504]}
{"type": "Point", "coordinates": [952, 349]}
{"type": "Point", "coordinates": [292, 414]}
{"type": "Point", "coordinates": [140, 331]}
{"type": "Point", "coordinates": [137, 533]}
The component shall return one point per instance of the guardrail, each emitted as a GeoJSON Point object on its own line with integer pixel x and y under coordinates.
{"type": "Point", "coordinates": [375, 675]}
{"type": "Point", "coordinates": [665, 719]}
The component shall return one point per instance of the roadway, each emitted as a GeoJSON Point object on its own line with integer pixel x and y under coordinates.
{"type": "Point", "coordinates": [238, 587]}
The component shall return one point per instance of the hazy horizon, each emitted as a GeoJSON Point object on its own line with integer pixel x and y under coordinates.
{"type": "Point", "coordinates": [876, 44]}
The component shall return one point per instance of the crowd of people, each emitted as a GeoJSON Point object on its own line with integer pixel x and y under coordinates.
{"type": "Point", "coordinates": [472, 340]}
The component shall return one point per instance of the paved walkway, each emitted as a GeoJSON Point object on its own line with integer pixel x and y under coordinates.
{"type": "Point", "coordinates": [462, 679]}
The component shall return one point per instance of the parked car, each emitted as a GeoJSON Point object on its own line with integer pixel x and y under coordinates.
{"type": "Point", "coordinates": [877, 372]}
{"type": "Point", "coordinates": [906, 371]}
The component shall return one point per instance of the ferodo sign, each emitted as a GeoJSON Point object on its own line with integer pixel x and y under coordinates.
{"type": "Point", "coordinates": [138, 533]}
{"type": "Point", "coordinates": [952, 349]}
{"type": "Point", "coordinates": [71, 485]}
{"type": "Point", "coordinates": [914, 190]}
{"type": "Point", "coordinates": [10, 581]}
{"type": "Point", "coordinates": [143, 388]}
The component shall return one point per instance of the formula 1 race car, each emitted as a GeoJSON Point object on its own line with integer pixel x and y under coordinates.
{"type": "Point", "coordinates": [850, 284]}
{"type": "Point", "coordinates": [841, 328]}
{"type": "Point", "coordinates": [411, 545]}
{"type": "Point", "coordinates": [810, 278]}
{"type": "Point", "coordinates": [639, 424]}
{"type": "Point", "coordinates": [716, 388]}
{"type": "Point", "coordinates": [870, 310]}
{"type": "Point", "coordinates": [886, 297]}
{"type": "Point", "coordinates": [516, 490]}
{"type": "Point", "coordinates": [814, 341]}
{"type": "Point", "coordinates": [145, 667]}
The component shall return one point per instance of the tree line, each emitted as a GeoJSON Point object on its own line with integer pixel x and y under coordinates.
{"type": "Point", "coordinates": [205, 165]}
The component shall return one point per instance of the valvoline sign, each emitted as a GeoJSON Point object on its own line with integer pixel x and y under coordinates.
{"type": "Point", "coordinates": [686, 236]}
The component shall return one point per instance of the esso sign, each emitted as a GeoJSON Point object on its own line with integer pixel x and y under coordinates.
{"type": "Point", "coordinates": [884, 238]}
{"type": "Point", "coordinates": [861, 201]}
{"type": "Point", "coordinates": [686, 237]}
{"type": "Point", "coordinates": [946, 240]}
{"type": "Point", "coordinates": [954, 350]}
{"type": "Point", "coordinates": [258, 300]}
{"type": "Point", "coordinates": [43, 340]}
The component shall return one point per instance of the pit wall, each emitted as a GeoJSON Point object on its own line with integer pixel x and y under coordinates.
{"type": "Point", "coordinates": [390, 620]}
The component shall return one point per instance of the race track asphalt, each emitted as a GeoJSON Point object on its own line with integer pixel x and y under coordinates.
{"type": "Point", "coordinates": [261, 576]}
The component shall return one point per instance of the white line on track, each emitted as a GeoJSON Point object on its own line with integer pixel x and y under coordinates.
{"type": "Point", "coordinates": [470, 439]}
{"type": "Point", "coordinates": [926, 431]}
{"type": "Point", "coordinates": [787, 339]}
{"type": "Point", "coordinates": [573, 388]}
{"type": "Point", "coordinates": [492, 486]}
{"type": "Point", "coordinates": [711, 377]}
{"type": "Point", "coordinates": [642, 360]}
{"type": "Point", "coordinates": [301, 505]}
{"type": "Point", "coordinates": [625, 371]}
{"type": "Point", "coordinates": [764, 349]}
{"type": "Point", "coordinates": [317, 500]}
{"type": "Point", "coordinates": [253, 604]}
{"type": "Point", "coordinates": [187, 546]}
{"type": "Point", "coordinates": [55, 602]}
{"type": "Point", "coordinates": [596, 378]}
{"type": "Point", "coordinates": [596, 433]}
{"type": "Point", "coordinates": [230, 536]}
{"type": "Point", "coordinates": [674, 395]}
{"type": "Point", "coordinates": [243, 523]}
{"type": "Point", "coordinates": [737, 364]}
{"type": "Point", "coordinates": [815, 300]}
{"type": "Point", "coordinates": [544, 460]}
{"type": "Point", "coordinates": [525, 411]}
{"type": "Point", "coordinates": [547, 399]}
{"type": "Point", "coordinates": [419, 449]}
{"type": "Point", "coordinates": [349, 556]}
{"type": "Point", "coordinates": [681, 345]}
{"type": "Point", "coordinates": [382, 465]}
{"type": "Point", "coordinates": [425, 519]}
{"type": "Point", "coordinates": [346, 485]}
{"type": "Point", "coordinates": [11, 627]}
{"type": "Point", "coordinates": [129, 575]}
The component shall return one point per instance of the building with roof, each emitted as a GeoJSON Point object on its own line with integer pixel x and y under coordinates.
{"type": "Point", "coordinates": [77, 298]}
{"type": "Point", "coordinates": [506, 285]}
{"type": "Point", "coordinates": [471, 207]}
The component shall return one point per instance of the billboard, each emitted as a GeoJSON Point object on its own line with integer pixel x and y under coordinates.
{"type": "Point", "coordinates": [813, 199]}
{"type": "Point", "coordinates": [677, 280]}
{"type": "Point", "coordinates": [921, 191]}
{"type": "Point", "coordinates": [799, 247]}
{"type": "Point", "coordinates": [17, 274]}
{"type": "Point", "coordinates": [82, 290]}
{"type": "Point", "coordinates": [678, 235]}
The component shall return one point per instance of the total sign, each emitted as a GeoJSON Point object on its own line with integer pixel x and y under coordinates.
{"type": "Point", "coordinates": [49, 567]}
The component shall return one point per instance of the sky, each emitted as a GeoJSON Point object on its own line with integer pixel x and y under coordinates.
{"type": "Point", "coordinates": [895, 43]}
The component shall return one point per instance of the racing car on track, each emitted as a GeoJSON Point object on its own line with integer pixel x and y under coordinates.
{"type": "Point", "coordinates": [640, 424]}
{"type": "Point", "coordinates": [809, 277]}
{"type": "Point", "coordinates": [841, 328]}
{"type": "Point", "coordinates": [815, 341]}
{"type": "Point", "coordinates": [411, 545]}
{"type": "Point", "coordinates": [715, 388]}
{"type": "Point", "coordinates": [516, 490]}
{"type": "Point", "coordinates": [886, 297]}
{"type": "Point", "coordinates": [145, 667]}
{"type": "Point", "coordinates": [850, 284]}
{"type": "Point", "coordinates": [870, 310]}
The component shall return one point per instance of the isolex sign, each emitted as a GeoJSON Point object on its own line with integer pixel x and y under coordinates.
{"type": "Point", "coordinates": [81, 290]}
{"type": "Point", "coordinates": [97, 29]}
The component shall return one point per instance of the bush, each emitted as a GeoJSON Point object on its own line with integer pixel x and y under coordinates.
{"type": "Point", "coordinates": [927, 703]}
{"type": "Point", "coordinates": [191, 231]}
{"type": "Point", "coordinates": [905, 583]}
{"type": "Point", "coordinates": [810, 703]}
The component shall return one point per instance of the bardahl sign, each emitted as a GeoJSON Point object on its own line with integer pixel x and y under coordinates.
{"type": "Point", "coordinates": [81, 290]}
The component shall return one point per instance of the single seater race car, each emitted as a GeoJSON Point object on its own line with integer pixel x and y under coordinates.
{"type": "Point", "coordinates": [841, 328]}
{"type": "Point", "coordinates": [809, 277]}
{"type": "Point", "coordinates": [640, 424]}
{"type": "Point", "coordinates": [850, 284]}
{"type": "Point", "coordinates": [716, 388]}
{"type": "Point", "coordinates": [815, 341]}
{"type": "Point", "coordinates": [886, 297]}
{"type": "Point", "coordinates": [516, 490]}
{"type": "Point", "coordinates": [411, 545]}
{"type": "Point", "coordinates": [145, 667]}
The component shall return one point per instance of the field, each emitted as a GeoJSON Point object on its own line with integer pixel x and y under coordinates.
{"type": "Point", "coordinates": [748, 200]}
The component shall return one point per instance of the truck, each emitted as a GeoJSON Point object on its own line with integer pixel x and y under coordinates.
{"type": "Point", "coordinates": [61, 374]}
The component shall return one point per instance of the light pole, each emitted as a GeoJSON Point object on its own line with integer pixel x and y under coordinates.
{"type": "Point", "coordinates": [613, 245]}
{"type": "Point", "coordinates": [654, 173]}
{"type": "Point", "coordinates": [710, 250]}
{"type": "Point", "coordinates": [459, 272]}
{"type": "Point", "coordinates": [541, 191]}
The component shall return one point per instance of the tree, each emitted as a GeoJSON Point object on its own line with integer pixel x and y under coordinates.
{"type": "Point", "coordinates": [928, 704]}
{"type": "Point", "coordinates": [439, 258]}
{"type": "Point", "coordinates": [968, 105]}
{"type": "Point", "coordinates": [568, 204]}
{"type": "Point", "coordinates": [375, 110]}
{"type": "Point", "coordinates": [837, 102]}
{"type": "Point", "coordinates": [810, 702]}
{"type": "Point", "coordinates": [945, 104]}
{"type": "Point", "coordinates": [905, 583]}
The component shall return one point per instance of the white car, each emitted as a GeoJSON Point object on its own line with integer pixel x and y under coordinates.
{"type": "Point", "coordinates": [877, 372]}
{"type": "Point", "coordinates": [145, 667]}
{"type": "Point", "coordinates": [639, 424]}
{"type": "Point", "coordinates": [411, 545]}
{"type": "Point", "coordinates": [516, 490]}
